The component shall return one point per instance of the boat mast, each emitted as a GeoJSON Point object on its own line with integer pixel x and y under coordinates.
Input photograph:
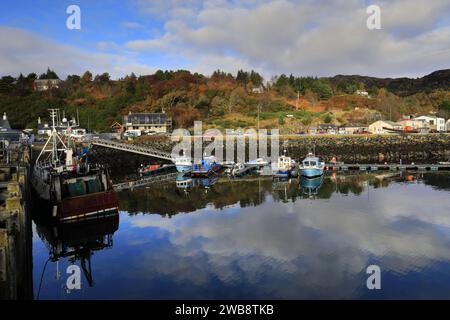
{"type": "Point", "coordinates": [53, 114]}
{"type": "Point", "coordinates": [54, 139]}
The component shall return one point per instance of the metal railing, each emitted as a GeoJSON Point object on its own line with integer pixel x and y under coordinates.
{"type": "Point", "coordinates": [139, 149]}
{"type": "Point", "coordinates": [145, 181]}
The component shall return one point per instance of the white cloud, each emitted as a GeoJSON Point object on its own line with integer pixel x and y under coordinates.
{"type": "Point", "coordinates": [322, 247]}
{"type": "Point", "coordinates": [24, 51]}
{"type": "Point", "coordinates": [309, 37]}
{"type": "Point", "coordinates": [304, 37]}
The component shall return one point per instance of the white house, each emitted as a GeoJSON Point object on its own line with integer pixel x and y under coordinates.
{"type": "Point", "coordinates": [384, 126]}
{"type": "Point", "coordinates": [362, 93]}
{"type": "Point", "coordinates": [432, 123]}
{"type": "Point", "coordinates": [43, 128]}
{"type": "Point", "coordinates": [447, 125]}
{"type": "Point", "coordinates": [409, 124]}
{"type": "Point", "coordinates": [147, 122]}
{"type": "Point", "coordinates": [352, 128]}
{"type": "Point", "coordinates": [6, 132]}
{"type": "Point", "coordinates": [259, 89]}
{"type": "Point", "coordinates": [46, 84]}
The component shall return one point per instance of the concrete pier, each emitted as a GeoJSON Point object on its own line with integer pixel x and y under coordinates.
{"type": "Point", "coordinates": [15, 230]}
{"type": "Point", "coordinates": [386, 167]}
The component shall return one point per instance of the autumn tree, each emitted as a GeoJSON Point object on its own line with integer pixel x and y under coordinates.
{"type": "Point", "coordinates": [184, 117]}
{"type": "Point", "coordinates": [87, 76]}
{"type": "Point", "coordinates": [102, 78]}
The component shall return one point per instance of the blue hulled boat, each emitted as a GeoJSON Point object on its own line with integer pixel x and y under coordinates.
{"type": "Point", "coordinates": [208, 166]}
{"type": "Point", "coordinates": [311, 166]}
{"type": "Point", "coordinates": [311, 186]}
{"type": "Point", "coordinates": [183, 164]}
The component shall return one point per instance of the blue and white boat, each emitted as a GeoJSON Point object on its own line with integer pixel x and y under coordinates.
{"type": "Point", "coordinates": [311, 166]}
{"type": "Point", "coordinates": [208, 166]}
{"type": "Point", "coordinates": [311, 186]}
{"type": "Point", "coordinates": [283, 168]}
{"type": "Point", "coordinates": [183, 181]}
{"type": "Point", "coordinates": [183, 164]}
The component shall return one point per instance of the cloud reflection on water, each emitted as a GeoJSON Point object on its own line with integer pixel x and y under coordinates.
{"type": "Point", "coordinates": [320, 250]}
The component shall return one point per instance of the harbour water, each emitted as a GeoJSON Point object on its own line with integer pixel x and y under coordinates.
{"type": "Point", "coordinates": [255, 238]}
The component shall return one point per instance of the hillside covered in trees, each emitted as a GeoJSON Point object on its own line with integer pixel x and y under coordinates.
{"type": "Point", "coordinates": [224, 100]}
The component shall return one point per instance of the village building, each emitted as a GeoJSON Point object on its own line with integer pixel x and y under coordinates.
{"type": "Point", "coordinates": [432, 123]}
{"type": "Point", "coordinates": [447, 125]}
{"type": "Point", "coordinates": [362, 93]}
{"type": "Point", "coordinates": [43, 128]}
{"type": "Point", "coordinates": [258, 90]}
{"type": "Point", "coordinates": [327, 128]}
{"type": "Point", "coordinates": [384, 126]}
{"type": "Point", "coordinates": [410, 124]}
{"type": "Point", "coordinates": [312, 130]}
{"type": "Point", "coordinates": [117, 127]}
{"type": "Point", "coordinates": [6, 132]}
{"type": "Point", "coordinates": [46, 84]}
{"type": "Point", "coordinates": [147, 123]}
{"type": "Point", "coordinates": [352, 128]}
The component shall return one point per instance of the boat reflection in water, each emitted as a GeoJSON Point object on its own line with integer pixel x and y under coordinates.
{"type": "Point", "coordinates": [205, 182]}
{"type": "Point", "coordinates": [255, 238]}
{"type": "Point", "coordinates": [185, 182]}
{"type": "Point", "coordinates": [311, 186]}
{"type": "Point", "coordinates": [282, 186]}
{"type": "Point", "coordinates": [77, 241]}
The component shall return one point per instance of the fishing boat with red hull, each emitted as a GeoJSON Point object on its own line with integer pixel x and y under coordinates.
{"type": "Point", "coordinates": [75, 189]}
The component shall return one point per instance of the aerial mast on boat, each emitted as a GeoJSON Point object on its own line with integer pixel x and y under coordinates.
{"type": "Point", "coordinates": [54, 139]}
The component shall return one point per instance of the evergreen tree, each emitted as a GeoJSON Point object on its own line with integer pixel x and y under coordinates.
{"type": "Point", "coordinates": [50, 74]}
{"type": "Point", "coordinates": [256, 78]}
{"type": "Point", "coordinates": [242, 77]}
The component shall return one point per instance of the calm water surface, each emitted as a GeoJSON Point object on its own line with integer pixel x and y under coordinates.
{"type": "Point", "coordinates": [259, 239]}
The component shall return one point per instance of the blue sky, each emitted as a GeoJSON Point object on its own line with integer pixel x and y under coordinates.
{"type": "Point", "coordinates": [106, 21]}
{"type": "Point", "coordinates": [304, 37]}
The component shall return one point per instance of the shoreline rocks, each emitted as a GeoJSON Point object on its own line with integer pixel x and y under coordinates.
{"type": "Point", "coordinates": [363, 149]}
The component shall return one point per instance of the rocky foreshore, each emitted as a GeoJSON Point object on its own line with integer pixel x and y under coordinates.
{"type": "Point", "coordinates": [420, 148]}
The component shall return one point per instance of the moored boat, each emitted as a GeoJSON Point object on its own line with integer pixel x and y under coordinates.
{"type": "Point", "coordinates": [153, 169]}
{"type": "Point", "coordinates": [311, 166]}
{"type": "Point", "coordinates": [208, 166]}
{"type": "Point", "coordinates": [183, 164]}
{"type": "Point", "coordinates": [75, 189]}
{"type": "Point", "coordinates": [259, 162]}
{"type": "Point", "coordinates": [149, 169]}
{"type": "Point", "coordinates": [283, 167]}
{"type": "Point", "coordinates": [240, 169]}
{"type": "Point", "coordinates": [228, 164]}
{"type": "Point", "coordinates": [401, 131]}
